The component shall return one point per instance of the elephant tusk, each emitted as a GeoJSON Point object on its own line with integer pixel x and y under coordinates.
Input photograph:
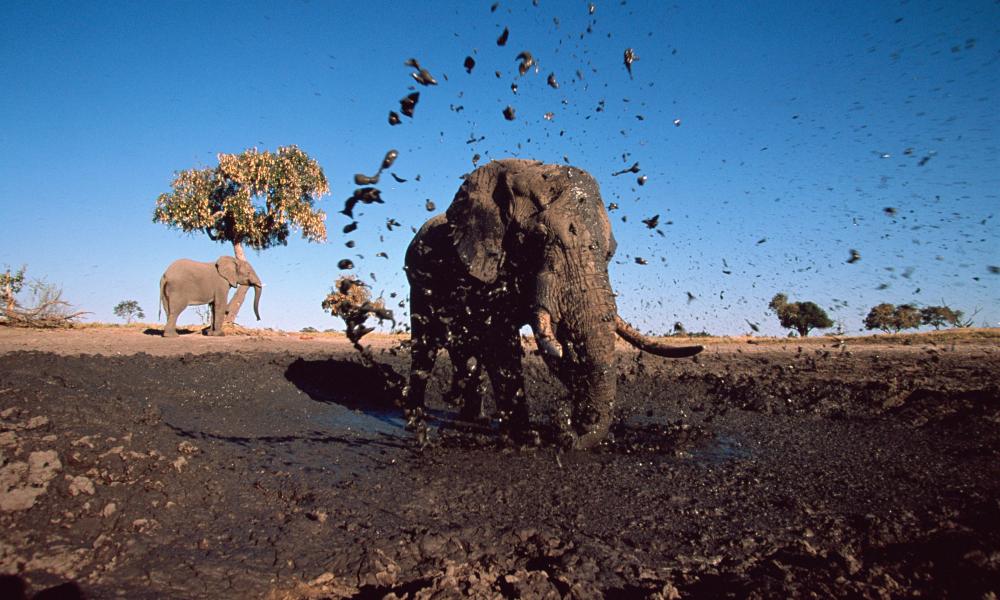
{"type": "Point", "coordinates": [630, 335]}
{"type": "Point", "coordinates": [544, 335]}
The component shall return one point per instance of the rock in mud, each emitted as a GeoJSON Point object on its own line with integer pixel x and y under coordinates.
{"type": "Point", "coordinates": [21, 483]}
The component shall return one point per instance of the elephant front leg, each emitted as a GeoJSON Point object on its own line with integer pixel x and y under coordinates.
{"type": "Point", "coordinates": [421, 364]}
{"type": "Point", "coordinates": [467, 384]}
{"type": "Point", "coordinates": [218, 316]}
{"type": "Point", "coordinates": [507, 376]}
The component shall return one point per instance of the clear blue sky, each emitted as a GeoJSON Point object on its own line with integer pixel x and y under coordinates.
{"type": "Point", "coordinates": [799, 123]}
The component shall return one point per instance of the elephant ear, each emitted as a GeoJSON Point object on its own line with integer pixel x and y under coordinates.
{"type": "Point", "coordinates": [226, 265]}
{"type": "Point", "coordinates": [478, 216]}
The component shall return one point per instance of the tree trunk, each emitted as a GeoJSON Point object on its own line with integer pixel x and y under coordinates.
{"type": "Point", "coordinates": [241, 292]}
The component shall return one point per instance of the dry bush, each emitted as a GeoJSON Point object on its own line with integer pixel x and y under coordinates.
{"type": "Point", "coordinates": [46, 307]}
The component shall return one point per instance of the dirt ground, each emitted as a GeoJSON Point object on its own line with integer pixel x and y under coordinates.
{"type": "Point", "coordinates": [277, 466]}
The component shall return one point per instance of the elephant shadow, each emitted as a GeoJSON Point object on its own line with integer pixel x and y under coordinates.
{"type": "Point", "coordinates": [180, 331]}
{"type": "Point", "coordinates": [355, 386]}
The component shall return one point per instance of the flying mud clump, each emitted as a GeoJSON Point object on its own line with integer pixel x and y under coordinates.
{"type": "Point", "coordinates": [630, 57]}
{"type": "Point", "coordinates": [421, 75]}
{"type": "Point", "coordinates": [351, 301]}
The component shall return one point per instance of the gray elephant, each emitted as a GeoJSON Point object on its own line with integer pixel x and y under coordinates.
{"type": "Point", "coordinates": [188, 282]}
{"type": "Point", "coordinates": [522, 243]}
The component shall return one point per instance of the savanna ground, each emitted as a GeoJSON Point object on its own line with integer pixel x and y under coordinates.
{"type": "Point", "coordinates": [277, 466]}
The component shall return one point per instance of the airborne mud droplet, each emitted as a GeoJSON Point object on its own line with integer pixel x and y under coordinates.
{"type": "Point", "coordinates": [641, 261]}
{"type": "Point", "coordinates": [469, 64]}
{"type": "Point", "coordinates": [508, 113]}
{"type": "Point", "coordinates": [407, 104]}
{"type": "Point", "coordinates": [633, 169]}
{"type": "Point", "coordinates": [552, 81]}
{"type": "Point", "coordinates": [345, 264]}
{"type": "Point", "coordinates": [423, 77]}
{"type": "Point", "coordinates": [360, 179]}
{"type": "Point", "coordinates": [630, 57]}
{"type": "Point", "coordinates": [365, 195]}
{"type": "Point", "coordinates": [527, 61]}
{"type": "Point", "coordinates": [502, 40]}
{"type": "Point", "coordinates": [855, 257]}
{"type": "Point", "coordinates": [398, 178]}
{"type": "Point", "coordinates": [393, 118]}
{"type": "Point", "coordinates": [652, 222]}
{"type": "Point", "coordinates": [642, 180]}
{"type": "Point", "coordinates": [389, 158]}
{"type": "Point", "coordinates": [429, 205]}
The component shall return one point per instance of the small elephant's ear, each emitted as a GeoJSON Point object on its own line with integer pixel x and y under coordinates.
{"type": "Point", "coordinates": [226, 265]}
{"type": "Point", "coordinates": [478, 216]}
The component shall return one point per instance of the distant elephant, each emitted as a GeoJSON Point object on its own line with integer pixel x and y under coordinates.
{"type": "Point", "coordinates": [188, 282]}
{"type": "Point", "coordinates": [522, 243]}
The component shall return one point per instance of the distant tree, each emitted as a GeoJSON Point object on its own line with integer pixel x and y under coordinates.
{"type": "Point", "coordinates": [250, 199]}
{"type": "Point", "coordinates": [880, 317]}
{"type": "Point", "coordinates": [891, 318]}
{"type": "Point", "coordinates": [308, 330]}
{"type": "Point", "coordinates": [204, 313]}
{"type": "Point", "coordinates": [939, 316]}
{"type": "Point", "coordinates": [129, 310]}
{"type": "Point", "coordinates": [800, 316]}
{"type": "Point", "coordinates": [10, 286]}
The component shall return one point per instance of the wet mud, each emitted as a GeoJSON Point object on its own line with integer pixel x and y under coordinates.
{"type": "Point", "coordinates": [780, 472]}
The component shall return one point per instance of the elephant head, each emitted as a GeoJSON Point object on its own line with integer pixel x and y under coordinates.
{"type": "Point", "coordinates": [544, 229]}
{"type": "Point", "coordinates": [239, 272]}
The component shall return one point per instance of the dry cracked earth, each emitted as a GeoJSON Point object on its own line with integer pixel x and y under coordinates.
{"type": "Point", "coordinates": [132, 466]}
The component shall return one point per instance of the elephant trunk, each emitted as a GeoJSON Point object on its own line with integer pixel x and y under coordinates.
{"type": "Point", "coordinates": [594, 409]}
{"type": "Point", "coordinates": [632, 336]}
{"type": "Point", "coordinates": [256, 300]}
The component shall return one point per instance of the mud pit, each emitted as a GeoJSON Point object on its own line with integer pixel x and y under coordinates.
{"type": "Point", "coordinates": [279, 468]}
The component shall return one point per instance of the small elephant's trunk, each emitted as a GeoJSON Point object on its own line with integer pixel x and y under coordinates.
{"type": "Point", "coordinates": [256, 300]}
{"type": "Point", "coordinates": [632, 336]}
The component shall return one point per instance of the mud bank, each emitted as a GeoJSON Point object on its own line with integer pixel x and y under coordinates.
{"type": "Point", "coordinates": [769, 472]}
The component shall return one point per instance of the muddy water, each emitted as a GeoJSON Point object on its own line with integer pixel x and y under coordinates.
{"type": "Point", "coordinates": [769, 474]}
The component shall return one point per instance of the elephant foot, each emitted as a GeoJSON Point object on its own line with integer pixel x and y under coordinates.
{"type": "Point", "coordinates": [214, 332]}
{"type": "Point", "coordinates": [472, 414]}
{"type": "Point", "coordinates": [593, 437]}
{"type": "Point", "coordinates": [516, 426]}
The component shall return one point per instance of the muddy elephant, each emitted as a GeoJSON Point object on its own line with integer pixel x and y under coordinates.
{"type": "Point", "coordinates": [188, 282]}
{"type": "Point", "coordinates": [522, 243]}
